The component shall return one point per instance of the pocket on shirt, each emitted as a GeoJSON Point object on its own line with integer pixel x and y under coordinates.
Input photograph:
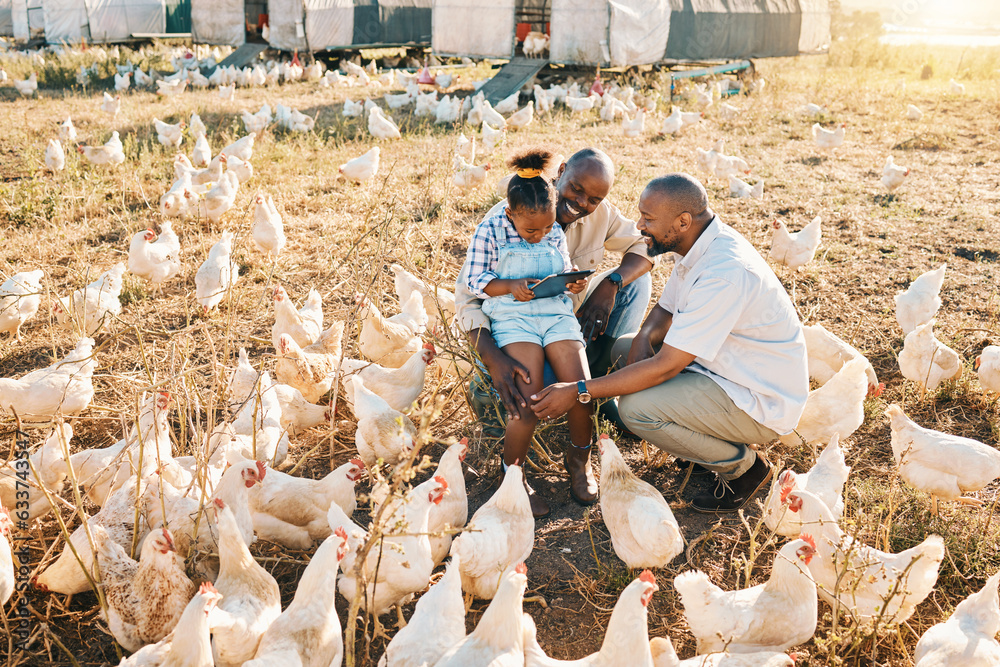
{"type": "Point", "coordinates": [589, 259]}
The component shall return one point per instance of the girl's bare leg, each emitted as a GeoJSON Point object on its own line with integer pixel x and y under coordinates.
{"type": "Point", "coordinates": [569, 362]}
{"type": "Point", "coordinates": [519, 431]}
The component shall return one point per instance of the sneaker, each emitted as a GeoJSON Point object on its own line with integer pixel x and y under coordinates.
{"type": "Point", "coordinates": [729, 496]}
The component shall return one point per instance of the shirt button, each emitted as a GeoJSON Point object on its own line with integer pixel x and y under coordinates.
{"type": "Point", "coordinates": [591, 261]}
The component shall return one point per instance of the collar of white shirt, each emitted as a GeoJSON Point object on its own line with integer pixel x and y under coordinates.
{"type": "Point", "coordinates": [684, 264]}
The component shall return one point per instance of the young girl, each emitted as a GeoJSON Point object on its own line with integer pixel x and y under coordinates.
{"type": "Point", "coordinates": [511, 250]}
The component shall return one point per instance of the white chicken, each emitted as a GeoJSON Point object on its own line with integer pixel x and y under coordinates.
{"type": "Point", "coordinates": [55, 157]}
{"type": "Point", "coordinates": [913, 112]}
{"type": "Point", "coordinates": [111, 153]}
{"type": "Point", "coordinates": [228, 92]}
{"type": "Point", "coordinates": [251, 598]}
{"type": "Point", "coordinates": [828, 140]}
{"type": "Point", "coordinates": [304, 325]}
{"type": "Point", "coordinates": [770, 617]}
{"type": "Point", "coordinates": [727, 166]}
{"type": "Point", "coordinates": [439, 303]}
{"type": "Point", "coordinates": [795, 249]}
{"type": "Point", "coordinates": [673, 123]}
{"type": "Point", "coordinates": [955, 87]}
{"type": "Point", "coordinates": [468, 176]}
{"type": "Point", "coordinates": [452, 512]}
{"type": "Point", "coordinates": [20, 296]}
{"type": "Point", "coordinates": [544, 100]}
{"type": "Point", "coordinates": [311, 369]}
{"type": "Point", "coordinates": [201, 154]}
{"type": "Point", "coordinates": [221, 197]}
{"type": "Point", "coordinates": [241, 148]}
{"type": "Point", "coordinates": [742, 190]}
{"type": "Point", "coordinates": [626, 641]}
{"type": "Point", "coordinates": [632, 128]}
{"type": "Point", "coordinates": [838, 407]}
{"type": "Point", "coordinates": [500, 534]}
{"type": "Point", "coordinates": [492, 117]}
{"type": "Point", "coordinates": [868, 584]}
{"type": "Point", "coordinates": [522, 118]}
{"type": "Point", "coordinates": [307, 633]}
{"type": "Point", "coordinates": [437, 624]}
{"type": "Point", "coordinates": [90, 308]}
{"type": "Point", "coordinates": [401, 564]}
{"type": "Point", "coordinates": [292, 510]}
{"type": "Point", "coordinates": [968, 637]}
{"type": "Point", "coordinates": [448, 110]}
{"type": "Point", "coordinates": [399, 387]}
{"type": "Point", "coordinates": [825, 479]}
{"type": "Point", "coordinates": [664, 655]}
{"type": "Point", "coordinates": [391, 341]}
{"type": "Point", "coordinates": [828, 353]}
{"type": "Point", "coordinates": [67, 132]}
{"type": "Point", "coordinates": [48, 463]}
{"type": "Point", "coordinates": [491, 138]}
{"type": "Point", "coordinates": [644, 532]}
{"type": "Point", "coordinates": [362, 169]}
{"type": "Point", "coordinates": [892, 175]}
{"type": "Point", "coordinates": [352, 109]}
{"type": "Point", "coordinates": [381, 126]}
{"type": "Point", "coordinates": [8, 582]}
{"type": "Point", "coordinates": [155, 259]}
{"type": "Point", "coordinates": [926, 360]}
{"type": "Point", "coordinates": [921, 300]}
{"type": "Point", "coordinates": [146, 598]}
{"type": "Point", "coordinates": [217, 274]}
{"type": "Point", "coordinates": [383, 433]}
{"type": "Point", "coordinates": [65, 387]}
{"type": "Point", "coordinates": [196, 126]}
{"type": "Point", "coordinates": [27, 87]}
{"type": "Point", "coordinates": [111, 105]}
{"type": "Point", "coordinates": [298, 414]}
{"type": "Point", "coordinates": [581, 104]}
{"type": "Point", "coordinates": [189, 644]}
{"type": "Point", "coordinates": [268, 231]}
{"type": "Point", "coordinates": [940, 464]}
{"type": "Point", "coordinates": [167, 88]}
{"type": "Point", "coordinates": [535, 44]}
{"type": "Point", "coordinates": [180, 199]}
{"type": "Point", "coordinates": [987, 364]}
{"type": "Point", "coordinates": [169, 134]}
{"type": "Point", "coordinates": [256, 123]}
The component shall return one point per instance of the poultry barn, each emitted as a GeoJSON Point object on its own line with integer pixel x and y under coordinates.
{"type": "Point", "coordinates": [101, 21]}
{"type": "Point", "coordinates": [623, 33]}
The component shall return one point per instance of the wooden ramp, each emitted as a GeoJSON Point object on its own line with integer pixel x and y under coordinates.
{"type": "Point", "coordinates": [244, 55]}
{"type": "Point", "coordinates": [512, 77]}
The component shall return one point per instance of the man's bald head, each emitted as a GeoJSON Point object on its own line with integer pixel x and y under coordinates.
{"type": "Point", "coordinates": [592, 159]}
{"type": "Point", "coordinates": [583, 182]}
{"type": "Point", "coordinates": [684, 192]}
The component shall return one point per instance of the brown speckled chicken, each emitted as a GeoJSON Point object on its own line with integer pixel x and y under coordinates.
{"type": "Point", "coordinates": [311, 369]}
{"type": "Point", "coordinates": [189, 644]}
{"type": "Point", "coordinates": [146, 598]}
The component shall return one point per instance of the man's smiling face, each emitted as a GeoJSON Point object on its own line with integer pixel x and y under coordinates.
{"type": "Point", "coordinates": [582, 187]}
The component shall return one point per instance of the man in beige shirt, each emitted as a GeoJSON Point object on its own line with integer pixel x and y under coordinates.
{"type": "Point", "coordinates": [613, 305]}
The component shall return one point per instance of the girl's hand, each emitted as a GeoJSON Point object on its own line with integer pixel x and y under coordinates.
{"type": "Point", "coordinates": [519, 289]}
{"type": "Point", "coordinates": [577, 287]}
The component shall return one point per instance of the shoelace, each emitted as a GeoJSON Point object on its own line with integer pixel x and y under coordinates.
{"type": "Point", "coordinates": [724, 485]}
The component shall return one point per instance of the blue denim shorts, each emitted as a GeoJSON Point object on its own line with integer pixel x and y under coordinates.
{"type": "Point", "coordinates": [539, 329]}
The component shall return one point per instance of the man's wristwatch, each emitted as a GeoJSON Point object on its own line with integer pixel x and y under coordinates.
{"type": "Point", "coordinates": [616, 280]}
{"type": "Point", "coordinates": [582, 394]}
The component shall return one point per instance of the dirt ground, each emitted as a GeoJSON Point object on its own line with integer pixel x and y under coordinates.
{"type": "Point", "coordinates": [342, 237]}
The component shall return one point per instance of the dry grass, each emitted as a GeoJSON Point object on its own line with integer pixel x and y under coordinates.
{"type": "Point", "coordinates": [342, 237]}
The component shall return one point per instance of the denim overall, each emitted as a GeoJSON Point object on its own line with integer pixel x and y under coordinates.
{"type": "Point", "coordinates": [542, 320]}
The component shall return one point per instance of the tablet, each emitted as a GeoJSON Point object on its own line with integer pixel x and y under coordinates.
{"type": "Point", "coordinates": [555, 284]}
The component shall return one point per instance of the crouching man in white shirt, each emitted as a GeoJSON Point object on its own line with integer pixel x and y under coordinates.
{"type": "Point", "coordinates": [718, 364]}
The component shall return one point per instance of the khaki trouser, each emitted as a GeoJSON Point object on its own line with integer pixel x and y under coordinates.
{"type": "Point", "coordinates": [692, 418]}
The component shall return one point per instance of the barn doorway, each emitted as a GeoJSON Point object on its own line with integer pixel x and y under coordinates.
{"type": "Point", "coordinates": [531, 16]}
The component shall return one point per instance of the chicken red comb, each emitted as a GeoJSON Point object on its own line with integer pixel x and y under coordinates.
{"type": "Point", "coordinates": [206, 588]}
{"type": "Point", "coordinates": [359, 463]}
{"type": "Point", "coordinates": [604, 436]}
{"type": "Point", "coordinates": [442, 481]}
{"type": "Point", "coordinates": [218, 503]}
{"type": "Point", "coordinates": [647, 577]}
{"type": "Point", "coordinates": [341, 533]}
{"type": "Point", "coordinates": [261, 469]}
{"type": "Point", "coordinates": [430, 346]}
{"type": "Point", "coordinates": [463, 441]}
{"type": "Point", "coordinates": [150, 229]}
{"type": "Point", "coordinates": [521, 568]}
{"type": "Point", "coordinates": [808, 539]}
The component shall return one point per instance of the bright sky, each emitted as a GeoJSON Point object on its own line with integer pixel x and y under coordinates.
{"type": "Point", "coordinates": [931, 10]}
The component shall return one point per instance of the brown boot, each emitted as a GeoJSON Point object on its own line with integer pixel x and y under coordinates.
{"type": "Point", "coordinates": [539, 508]}
{"type": "Point", "coordinates": [582, 484]}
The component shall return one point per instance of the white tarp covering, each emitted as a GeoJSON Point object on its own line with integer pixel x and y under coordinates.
{"type": "Point", "coordinates": [578, 27]}
{"type": "Point", "coordinates": [19, 20]}
{"type": "Point", "coordinates": [65, 21]}
{"type": "Point", "coordinates": [217, 22]}
{"type": "Point", "coordinates": [329, 23]}
{"type": "Point", "coordinates": [478, 28]}
{"type": "Point", "coordinates": [117, 20]}
{"type": "Point", "coordinates": [6, 19]}
{"type": "Point", "coordinates": [815, 34]}
{"type": "Point", "coordinates": [286, 24]}
{"type": "Point", "coordinates": [639, 31]}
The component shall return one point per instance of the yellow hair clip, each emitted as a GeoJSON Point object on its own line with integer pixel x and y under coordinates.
{"type": "Point", "coordinates": [529, 173]}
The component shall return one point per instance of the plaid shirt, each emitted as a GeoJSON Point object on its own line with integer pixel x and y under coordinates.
{"type": "Point", "coordinates": [484, 249]}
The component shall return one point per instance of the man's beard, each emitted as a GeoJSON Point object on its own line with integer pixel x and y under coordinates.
{"type": "Point", "coordinates": [657, 247]}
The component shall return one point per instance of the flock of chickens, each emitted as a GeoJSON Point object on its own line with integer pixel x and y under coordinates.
{"type": "Point", "coordinates": [165, 518]}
